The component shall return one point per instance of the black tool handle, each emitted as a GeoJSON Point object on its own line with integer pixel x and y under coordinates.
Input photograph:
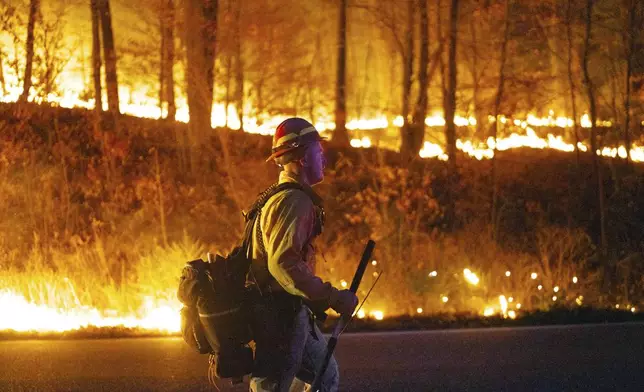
{"type": "Point", "coordinates": [366, 255]}
{"type": "Point", "coordinates": [333, 341]}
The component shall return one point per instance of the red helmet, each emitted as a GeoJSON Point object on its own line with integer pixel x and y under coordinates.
{"type": "Point", "coordinates": [291, 134]}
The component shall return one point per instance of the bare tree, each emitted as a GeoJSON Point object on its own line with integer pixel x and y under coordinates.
{"type": "Point", "coordinates": [440, 35]}
{"type": "Point", "coordinates": [169, 81]}
{"type": "Point", "coordinates": [166, 75]}
{"type": "Point", "coordinates": [417, 134]}
{"type": "Point", "coordinates": [571, 82]}
{"type": "Point", "coordinates": [549, 22]}
{"type": "Point", "coordinates": [3, 85]}
{"type": "Point", "coordinates": [587, 80]}
{"type": "Point", "coordinates": [497, 108]}
{"type": "Point", "coordinates": [53, 53]}
{"type": "Point", "coordinates": [200, 29]}
{"type": "Point", "coordinates": [109, 54]}
{"type": "Point", "coordinates": [340, 135]}
{"type": "Point", "coordinates": [227, 51]}
{"type": "Point", "coordinates": [96, 55]}
{"type": "Point", "coordinates": [34, 9]}
{"type": "Point", "coordinates": [450, 99]}
{"type": "Point", "coordinates": [634, 26]}
{"type": "Point", "coordinates": [408, 67]}
{"type": "Point", "coordinates": [590, 90]}
{"type": "Point", "coordinates": [162, 62]}
{"type": "Point", "coordinates": [475, 72]}
{"type": "Point", "coordinates": [239, 65]}
{"type": "Point", "coordinates": [388, 17]}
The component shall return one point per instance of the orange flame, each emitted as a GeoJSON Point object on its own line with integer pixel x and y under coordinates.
{"type": "Point", "coordinates": [21, 315]}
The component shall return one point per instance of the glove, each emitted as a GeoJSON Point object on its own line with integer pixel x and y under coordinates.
{"type": "Point", "coordinates": [343, 302]}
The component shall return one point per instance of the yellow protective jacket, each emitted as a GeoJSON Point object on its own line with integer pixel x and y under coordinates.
{"type": "Point", "coordinates": [288, 221]}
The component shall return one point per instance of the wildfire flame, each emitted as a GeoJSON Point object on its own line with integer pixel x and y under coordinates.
{"type": "Point", "coordinates": [21, 315]}
{"type": "Point", "coordinates": [140, 104]}
{"type": "Point", "coordinates": [530, 139]}
{"type": "Point", "coordinates": [470, 277]}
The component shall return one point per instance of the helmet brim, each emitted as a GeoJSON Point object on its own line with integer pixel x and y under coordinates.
{"type": "Point", "coordinates": [302, 142]}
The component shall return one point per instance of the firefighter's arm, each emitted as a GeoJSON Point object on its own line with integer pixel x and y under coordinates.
{"type": "Point", "coordinates": [287, 229]}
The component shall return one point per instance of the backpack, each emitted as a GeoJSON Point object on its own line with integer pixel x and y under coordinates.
{"type": "Point", "coordinates": [216, 316]}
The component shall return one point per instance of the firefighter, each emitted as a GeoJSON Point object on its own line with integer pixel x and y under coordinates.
{"type": "Point", "coordinates": [288, 344]}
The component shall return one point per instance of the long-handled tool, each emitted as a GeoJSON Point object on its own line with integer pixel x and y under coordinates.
{"type": "Point", "coordinates": [357, 278]}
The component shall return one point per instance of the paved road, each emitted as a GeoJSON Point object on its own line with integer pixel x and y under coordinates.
{"type": "Point", "coordinates": [560, 358]}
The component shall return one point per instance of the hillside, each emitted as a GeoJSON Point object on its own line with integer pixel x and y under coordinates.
{"type": "Point", "coordinates": [117, 213]}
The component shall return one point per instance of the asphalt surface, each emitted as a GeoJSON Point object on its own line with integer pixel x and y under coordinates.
{"type": "Point", "coordinates": [607, 357]}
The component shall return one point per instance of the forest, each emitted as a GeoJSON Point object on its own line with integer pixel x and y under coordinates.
{"type": "Point", "coordinates": [492, 148]}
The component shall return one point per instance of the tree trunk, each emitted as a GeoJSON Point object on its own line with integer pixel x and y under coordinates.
{"type": "Point", "coordinates": [571, 83]}
{"type": "Point", "coordinates": [229, 67]}
{"type": "Point", "coordinates": [420, 110]}
{"type": "Point", "coordinates": [552, 31]}
{"type": "Point", "coordinates": [406, 131]}
{"type": "Point", "coordinates": [633, 29]}
{"type": "Point", "coordinates": [450, 101]}
{"type": "Point", "coordinates": [229, 77]}
{"type": "Point", "coordinates": [162, 62]}
{"type": "Point", "coordinates": [340, 135]}
{"type": "Point", "coordinates": [227, 97]}
{"type": "Point", "coordinates": [169, 68]}
{"type": "Point", "coordinates": [109, 54]}
{"type": "Point", "coordinates": [593, 130]}
{"type": "Point", "coordinates": [166, 75]}
{"type": "Point", "coordinates": [573, 104]}
{"type": "Point", "coordinates": [96, 56]}
{"type": "Point", "coordinates": [201, 25]}
{"type": "Point", "coordinates": [497, 108]}
{"type": "Point", "coordinates": [34, 7]}
{"type": "Point", "coordinates": [3, 85]}
{"type": "Point", "coordinates": [441, 54]}
{"type": "Point", "coordinates": [475, 78]}
{"type": "Point", "coordinates": [587, 81]}
{"type": "Point", "coordinates": [239, 66]}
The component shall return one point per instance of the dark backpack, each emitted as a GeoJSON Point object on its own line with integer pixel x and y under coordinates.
{"type": "Point", "coordinates": [216, 316]}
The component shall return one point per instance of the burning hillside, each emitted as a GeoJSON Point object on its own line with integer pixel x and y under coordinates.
{"type": "Point", "coordinates": [97, 218]}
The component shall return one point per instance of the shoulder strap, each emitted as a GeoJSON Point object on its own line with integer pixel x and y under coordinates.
{"type": "Point", "coordinates": [275, 189]}
{"type": "Point", "coordinates": [255, 210]}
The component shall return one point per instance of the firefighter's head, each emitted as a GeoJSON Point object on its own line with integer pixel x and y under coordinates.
{"type": "Point", "coordinates": [297, 146]}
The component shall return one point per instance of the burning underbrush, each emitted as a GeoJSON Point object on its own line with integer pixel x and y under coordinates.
{"type": "Point", "coordinates": [69, 290]}
{"type": "Point", "coordinates": [96, 225]}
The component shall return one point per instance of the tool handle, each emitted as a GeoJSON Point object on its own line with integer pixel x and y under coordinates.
{"type": "Point", "coordinates": [366, 255]}
{"type": "Point", "coordinates": [355, 283]}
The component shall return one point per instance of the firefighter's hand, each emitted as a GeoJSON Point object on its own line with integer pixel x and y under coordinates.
{"type": "Point", "coordinates": [343, 302]}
